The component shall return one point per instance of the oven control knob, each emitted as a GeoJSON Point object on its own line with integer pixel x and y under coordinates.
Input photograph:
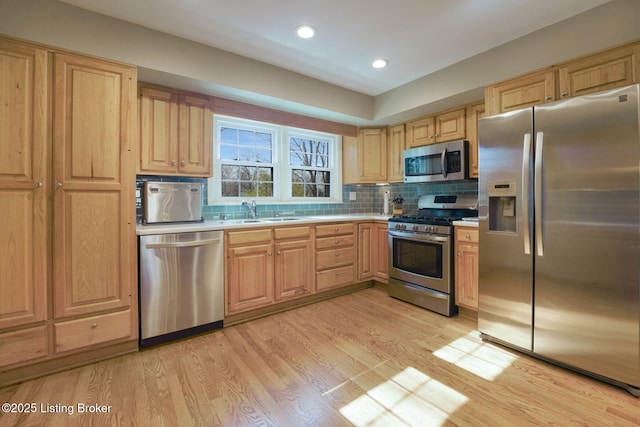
{"type": "Point", "coordinates": [415, 228]}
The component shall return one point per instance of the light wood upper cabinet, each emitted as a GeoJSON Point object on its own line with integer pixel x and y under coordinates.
{"type": "Point", "coordinates": [94, 124]}
{"type": "Point", "coordinates": [420, 132]}
{"type": "Point", "coordinates": [23, 191]}
{"type": "Point", "coordinates": [521, 92]}
{"type": "Point", "coordinates": [158, 130]}
{"type": "Point", "coordinates": [446, 126]}
{"type": "Point", "coordinates": [364, 159]}
{"type": "Point", "coordinates": [195, 136]}
{"type": "Point", "coordinates": [607, 70]}
{"type": "Point", "coordinates": [175, 133]}
{"type": "Point", "coordinates": [474, 113]}
{"type": "Point", "coordinates": [451, 125]}
{"type": "Point", "coordinates": [396, 153]}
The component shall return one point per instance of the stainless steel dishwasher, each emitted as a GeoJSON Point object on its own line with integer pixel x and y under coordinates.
{"type": "Point", "coordinates": [181, 285]}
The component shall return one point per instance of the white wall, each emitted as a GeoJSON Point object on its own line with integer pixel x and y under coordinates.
{"type": "Point", "coordinates": [169, 60]}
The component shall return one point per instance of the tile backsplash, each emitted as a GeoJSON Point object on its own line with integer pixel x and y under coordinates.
{"type": "Point", "coordinates": [368, 199]}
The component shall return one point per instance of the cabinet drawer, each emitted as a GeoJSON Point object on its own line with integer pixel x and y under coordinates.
{"type": "Point", "coordinates": [334, 258]}
{"type": "Point", "coordinates": [23, 345]}
{"type": "Point", "coordinates": [291, 232]}
{"type": "Point", "coordinates": [335, 229]}
{"type": "Point", "coordinates": [335, 242]}
{"type": "Point", "coordinates": [467, 235]}
{"type": "Point", "coordinates": [92, 330]}
{"type": "Point", "coordinates": [336, 277]}
{"type": "Point", "coordinates": [251, 236]}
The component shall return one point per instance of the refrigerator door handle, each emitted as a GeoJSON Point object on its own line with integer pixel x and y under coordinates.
{"type": "Point", "coordinates": [443, 162]}
{"type": "Point", "coordinates": [538, 193]}
{"type": "Point", "coordinates": [526, 160]}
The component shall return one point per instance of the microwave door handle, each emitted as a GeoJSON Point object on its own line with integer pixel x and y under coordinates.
{"type": "Point", "coordinates": [538, 193]}
{"type": "Point", "coordinates": [526, 161]}
{"type": "Point", "coordinates": [443, 162]}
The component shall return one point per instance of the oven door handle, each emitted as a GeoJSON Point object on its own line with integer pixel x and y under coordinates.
{"type": "Point", "coordinates": [419, 237]}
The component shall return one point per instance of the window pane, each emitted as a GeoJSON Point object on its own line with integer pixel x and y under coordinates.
{"type": "Point", "coordinates": [228, 152]}
{"type": "Point", "coordinates": [297, 190]}
{"type": "Point", "coordinates": [248, 189]}
{"type": "Point", "coordinates": [228, 136]}
{"type": "Point", "coordinates": [230, 189]}
{"type": "Point", "coordinates": [246, 154]}
{"type": "Point", "coordinates": [263, 156]}
{"type": "Point", "coordinates": [263, 140]}
{"type": "Point", "coordinates": [229, 172]}
{"type": "Point", "coordinates": [246, 138]}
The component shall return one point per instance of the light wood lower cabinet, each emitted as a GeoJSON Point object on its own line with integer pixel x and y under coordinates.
{"type": "Point", "coordinates": [265, 266]}
{"type": "Point", "coordinates": [335, 255]}
{"type": "Point", "coordinates": [67, 203]}
{"type": "Point", "coordinates": [466, 267]}
{"type": "Point", "coordinates": [373, 251]}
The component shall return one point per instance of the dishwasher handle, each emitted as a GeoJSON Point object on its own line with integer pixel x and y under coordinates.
{"type": "Point", "coordinates": [195, 243]}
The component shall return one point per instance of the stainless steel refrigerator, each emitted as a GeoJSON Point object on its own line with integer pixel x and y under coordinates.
{"type": "Point", "coordinates": [559, 212]}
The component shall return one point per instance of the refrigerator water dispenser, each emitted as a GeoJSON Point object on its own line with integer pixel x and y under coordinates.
{"type": "Point", "coordinates": [502, 206]}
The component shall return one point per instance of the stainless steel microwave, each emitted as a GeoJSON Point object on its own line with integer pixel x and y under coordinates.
{"type": "Point", "coordinates": [446, 161]}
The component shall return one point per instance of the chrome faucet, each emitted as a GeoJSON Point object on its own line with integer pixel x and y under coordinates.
{"type": "Point", "coordinates": [251, 206]}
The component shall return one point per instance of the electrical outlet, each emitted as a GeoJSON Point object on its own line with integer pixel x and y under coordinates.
{"type": "Point", "coordinates": [352, 195]}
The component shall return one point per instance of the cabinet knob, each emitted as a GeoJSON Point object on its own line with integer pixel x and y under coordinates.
{"type": "Point", "coordinates": [337, 229]}
{"type": "Point", "coordinates": [337, 253]}
{"type": "Point", "coordinates": [173, 162]}
{"type": "Point", "coordinates": [459, 253]}
{"type": "Point", "coordinates": [467, 236]}
{"type": "Point", "coordinates": [94, 325]}
{"type": "Point", "coordinates": [337, 241]}
{"type": "Point", "coordinates": [58, 185]}
{"type": "Point", "coordinates": [38, 184]}
{"type": "Point", "coordinates": [337, 274]}
{"type": "Point", "coordinates": [564, 93]}
{"type": "Point", "coordinates": [181, 162]}
{"type": "Point", "coordinates": [278, 252]}
{"type": "Point", "coordinates": [547, 98]}
{"type": "Point", "coordinates": [270, 253]}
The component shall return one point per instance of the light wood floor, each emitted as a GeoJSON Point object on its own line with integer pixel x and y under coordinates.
{"type": "Point", "coordinates": [360, 359]}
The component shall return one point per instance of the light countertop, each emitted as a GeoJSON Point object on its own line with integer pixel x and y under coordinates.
{"type": "Point", "coordinates": [218, 224]}
{"type": "Point", "coordinates": [465, 223]}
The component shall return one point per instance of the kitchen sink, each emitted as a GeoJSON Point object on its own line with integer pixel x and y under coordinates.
{"type": "Point", "coordinates": [280, 219]}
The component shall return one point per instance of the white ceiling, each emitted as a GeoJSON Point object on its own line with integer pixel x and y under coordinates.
{"type": "Point", "coordinates": [418, 37]}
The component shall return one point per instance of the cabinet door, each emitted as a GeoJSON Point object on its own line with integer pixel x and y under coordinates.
{"type": "Point", "coordinates": [421, 132]}
{"type": "Point", "coordinates": [293, 269]}
{"type": "Point", "coordinates": [474, 113]}
{"type": "Point", "coordinates": [608, 70]}
{"type": "Point", "coordinates": [366, 251]}
{"type": "Point", "coordinates": [451, 126]}
{"type": "Point", "coordinates": [23, 189]}
{"type": "Point", "coordinates": [381, 254]}
{"type": "Point", "coordinates": [372, 153]}
{"type": "Point", "coordinates": [467, 276]}
{"type": "Point", "coordinates": [532, 89]}
{"type": "Point", "coordinates": [250, 277]}
{"type": "Point", "coordinates": [158, 131]}
{"type": "Point", "coordinates": [94, 244]}
{"type": "Point", "coordinates": [396, 153]}
{"type": "Point", "coordinates": [195, 133]}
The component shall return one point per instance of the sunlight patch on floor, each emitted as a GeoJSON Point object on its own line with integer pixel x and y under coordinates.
{"type": "Point", "coordinates": [472, 354]}
{"type": "Point", "coordinates": [408, 398]}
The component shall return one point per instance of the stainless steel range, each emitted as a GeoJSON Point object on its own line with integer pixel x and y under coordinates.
{"type": "Point", "coordinates": [421, 251]}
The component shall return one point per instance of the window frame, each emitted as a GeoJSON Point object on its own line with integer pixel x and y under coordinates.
{"type": "Point", "coordinates": [282, 170]}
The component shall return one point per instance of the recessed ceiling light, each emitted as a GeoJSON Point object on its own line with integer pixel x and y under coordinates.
{"type": "Point", "coordinates": [305, 31]}
{"type": "Point", "coordinates": [380, 63]}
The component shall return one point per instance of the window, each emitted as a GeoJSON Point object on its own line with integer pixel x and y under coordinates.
{"type": "Point", "coordinates": [310, 166]}
{"type": "Point", "coordinates": [273, 163]}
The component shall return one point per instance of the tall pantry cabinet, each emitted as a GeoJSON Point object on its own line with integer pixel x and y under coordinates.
{"type": "Point", "coordinates": [67, 203]}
